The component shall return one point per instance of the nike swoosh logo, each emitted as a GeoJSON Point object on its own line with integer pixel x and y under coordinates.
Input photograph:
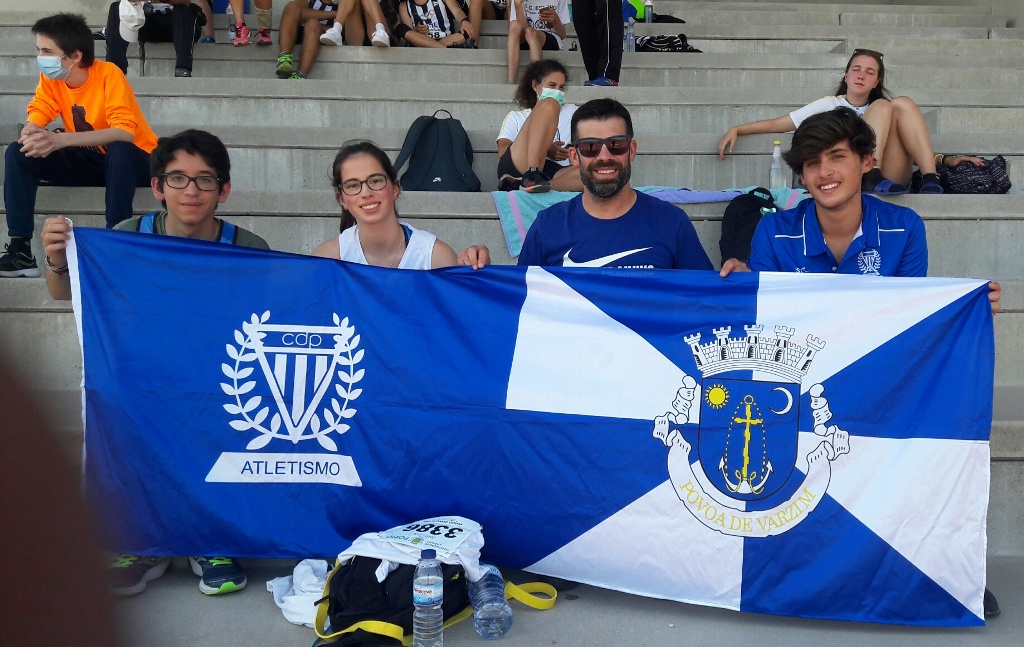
{"type": "Point", "coordinates": [599, 262]}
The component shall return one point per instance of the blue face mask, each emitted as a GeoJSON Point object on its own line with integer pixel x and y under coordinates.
{"type": "Point", "coordinates": [51, 68]}
{"type": "Point", "coordinates": [552, 93]}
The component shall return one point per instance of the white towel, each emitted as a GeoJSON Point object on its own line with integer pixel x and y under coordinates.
{"type": "Point", "coordinates": [297, 593]}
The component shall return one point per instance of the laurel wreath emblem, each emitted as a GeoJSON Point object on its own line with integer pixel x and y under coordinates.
{"type": "Point", "coordinates": [333, 417]}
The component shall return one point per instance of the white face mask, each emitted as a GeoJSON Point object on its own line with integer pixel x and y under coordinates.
{"type": "Point", "coordinates": [552, 93]}
{"type": "Point", "coordinates": [51, 68]}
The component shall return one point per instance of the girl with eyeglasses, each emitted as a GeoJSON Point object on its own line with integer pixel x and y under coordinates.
{"type": "Point", "coordinates": [899, 126]}
{"type": "Point", "coordinates": [533, 141]}
{"type": "Point", "coordinates": [367, 188]}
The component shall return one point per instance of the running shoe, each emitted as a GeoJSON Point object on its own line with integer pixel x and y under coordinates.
{"type": "Point", "coordinates": [602, 81]}
{"type": "Point", "coordinates": [129, 574]}
{"type": "Point", "coordinates": [18, 260]}
{"type": "Point", "coordinates": [263, 37]}
{"type": "Point", "coordinates": [241, 35]}
{"type": "Point", "coordinates": [536, 181]}
{"type": "Point", "coordinates": [285, 65]}
{"type": "Point", "coordinates": [218, 574]}
{"type": "Point", "coordinates": [299, 76]}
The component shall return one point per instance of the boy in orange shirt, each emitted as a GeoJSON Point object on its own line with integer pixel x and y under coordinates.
{"type": "Point", "coordinates": [106, 140]}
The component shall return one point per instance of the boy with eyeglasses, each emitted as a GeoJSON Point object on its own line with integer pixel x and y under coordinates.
{"type": "Point", "coordinates": [106, 140]}
{"type": "Point", "coordinates": [610, 224]}
{"type": "Point", "coordinates": [191, 175]}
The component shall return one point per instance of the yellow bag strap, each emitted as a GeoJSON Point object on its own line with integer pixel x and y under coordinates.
{"type": "Point", "coordinates": [376, 626]}
{"type": "Point", "coordinates": [524, 593]}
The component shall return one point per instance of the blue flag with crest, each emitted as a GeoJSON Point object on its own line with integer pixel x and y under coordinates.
{"type": "Point", "coordinates": [804, 445]}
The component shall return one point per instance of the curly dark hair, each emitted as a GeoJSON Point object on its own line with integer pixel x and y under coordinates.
{"type": "Point", "coordinates": [526, 97]}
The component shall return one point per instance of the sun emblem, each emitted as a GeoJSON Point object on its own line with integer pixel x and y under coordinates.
{"type": "Point", "coordinates": [717, 396]}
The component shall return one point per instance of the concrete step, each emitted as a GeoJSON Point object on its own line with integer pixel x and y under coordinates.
{"type": "Point", "coordinates": [224, 102]}
{"type": "Point", "coordinates": [262, 161]}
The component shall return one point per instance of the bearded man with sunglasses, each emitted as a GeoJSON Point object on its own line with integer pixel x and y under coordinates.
{"type": "Point", "coordinates": [610, 224]}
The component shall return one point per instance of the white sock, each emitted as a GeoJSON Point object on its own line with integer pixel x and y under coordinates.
{"type": "Point", "coordinates": [338, 26]}
{"type": "Point", "coordinates": [380, 27]}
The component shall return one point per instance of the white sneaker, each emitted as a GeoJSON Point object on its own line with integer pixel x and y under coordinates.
{"type": "Point", "coordinates": [332, 37]}
{"type": "Point", "coordinates": [380, 39]}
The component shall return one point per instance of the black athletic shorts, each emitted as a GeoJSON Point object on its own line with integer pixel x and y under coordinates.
{"type": "Point", "coordinates": [507, 167]}
{"type": "Point", "coordinates": [550, 43]}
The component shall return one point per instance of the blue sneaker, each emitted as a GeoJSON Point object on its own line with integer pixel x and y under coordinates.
{"type": "Point", "coordinates": [218, 574]}
{"type": "Point", "coordinates": [602, 81]}
{"type": "Point", "coordinates": [207, 40]}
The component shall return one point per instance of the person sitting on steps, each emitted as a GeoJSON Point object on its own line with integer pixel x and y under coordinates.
{"type": "Point", "coordinates": [899, 126]}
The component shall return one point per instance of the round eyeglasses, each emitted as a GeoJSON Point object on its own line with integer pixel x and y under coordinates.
{"type": "Point", "coordinates": [180, 181]}
{"type": "Point", "coordinates": [375, 182]}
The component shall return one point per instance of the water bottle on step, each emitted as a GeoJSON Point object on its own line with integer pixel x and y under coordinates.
{"type": "Point", "coordinates": [427, 596]}
{"type": "Point", "coordinates": [492, 615]}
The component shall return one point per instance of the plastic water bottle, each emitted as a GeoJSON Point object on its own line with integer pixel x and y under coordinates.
{"type": "Point", "coordinates": [648, 11]}
{"type": "Point", "coordinates": [777, 177]}
{"type": "Point", "coordinates": [427, 595]}
{"type": "Point", "coordinates": [492, 615]}
{"type": "Point", "coordinates": [628, 37]}
{"type": "Point", "coordinates": [231, 23]}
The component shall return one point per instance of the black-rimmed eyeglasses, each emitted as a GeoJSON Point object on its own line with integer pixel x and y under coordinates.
{"type": "Point", "coordinates": [375, 182]}
{"type": "Point", "coordinates": [180, 181]}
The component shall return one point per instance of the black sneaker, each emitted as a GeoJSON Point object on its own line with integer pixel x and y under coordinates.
{"type": "Point", "coordinates": [129, 574]}
{"type": "Point", "coordinates": [991, 605]}
{"type": "Point", "coordinates": [18, 260]}
{"type": "Point", "coordinates": [182, 72]}
{"type": "Point", "coordinates": [509, 183]}
{"type": "Point", "coordinates": [218, 574]}
{"type": "Point", "coordinates": [536, 181]}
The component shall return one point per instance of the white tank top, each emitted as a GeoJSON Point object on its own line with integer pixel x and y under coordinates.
{"type": "Point", "coordinates": [419, 247]}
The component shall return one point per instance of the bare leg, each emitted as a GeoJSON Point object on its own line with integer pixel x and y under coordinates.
{"type": "Point", "coordinates": [420, 40]}
{"type": "Point", "coordinates": [238, 9]}
{"type": "Point", "coordinates": [208, 27]}
{"type": "Point", "coordinates": [288, 30]}
{"type": "Point", "coordinates": [568, 179]}
{"type": "Point", "coordinates": [480, 10]}
{"type": "Point", "coordinates": [530, 148]}
{"type": "Point", "coordinates": [515, 36]}
{"type": "Point", "coordinates": [909, 142]}
{"type": "Point", "coordinates": [310, 43]}
{"type": "Point", "coordinates": [373, 15]}
{"type": "Point", "coordinates": [535, 39]}
{"type": "Point", "coordinates": [879, 117]}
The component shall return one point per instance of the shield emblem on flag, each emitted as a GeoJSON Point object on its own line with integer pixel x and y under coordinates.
{"type": "Point", "coordinates": [748, 435]}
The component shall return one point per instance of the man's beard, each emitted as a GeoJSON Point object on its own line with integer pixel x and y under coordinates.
{"type": "Point", "coordinates": [605, 188]}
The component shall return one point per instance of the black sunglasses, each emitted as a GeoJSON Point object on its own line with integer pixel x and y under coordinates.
{"type": "Point", "coordinates": [869, 52]}
{"type": "Point", "coordinates": [591, 146]}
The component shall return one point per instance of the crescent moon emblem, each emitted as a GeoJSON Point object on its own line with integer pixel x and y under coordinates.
{"type": "Point", "coordinates": [789, 401]}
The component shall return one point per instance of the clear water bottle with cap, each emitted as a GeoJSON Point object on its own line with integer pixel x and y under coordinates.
{"type": "Point", "coordinates": [231, 22]}
{"type": "Point", "coordinates": [777, 176]}
{"type": "Point", "coordinates": [648, 11]}
{"type": "Point", "coordinates": [492, 615]}
{"type": "Point", "coordinates": [427, 596]}
{"type": "Point", "coordinates": [628, 37]}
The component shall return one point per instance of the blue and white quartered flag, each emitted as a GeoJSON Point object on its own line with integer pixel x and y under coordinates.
{"type": "Point", "coordinates": [803, 445]}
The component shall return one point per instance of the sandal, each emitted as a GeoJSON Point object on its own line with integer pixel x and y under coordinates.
{"type": "Point", "coordinates": [887, 187]}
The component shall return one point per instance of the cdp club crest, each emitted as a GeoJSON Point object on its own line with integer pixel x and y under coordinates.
{"type": "Point", "coordinates": [309, 382]}
{"type": "Point", "coordinates": [755, 472]}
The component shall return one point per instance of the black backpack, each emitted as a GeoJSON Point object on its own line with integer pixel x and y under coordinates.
{"type": "Point", "coordinates": [439, 154]}
{"type": "Point", "coordinates": [740, 221]}
{"type": "Point", "coordinates": [666, 43]}
{"type": "Point", "coordinates": [364, 612]}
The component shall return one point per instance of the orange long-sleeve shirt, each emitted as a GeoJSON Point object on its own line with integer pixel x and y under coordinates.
{"type": "Point", "coordinates": [106, 100]}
